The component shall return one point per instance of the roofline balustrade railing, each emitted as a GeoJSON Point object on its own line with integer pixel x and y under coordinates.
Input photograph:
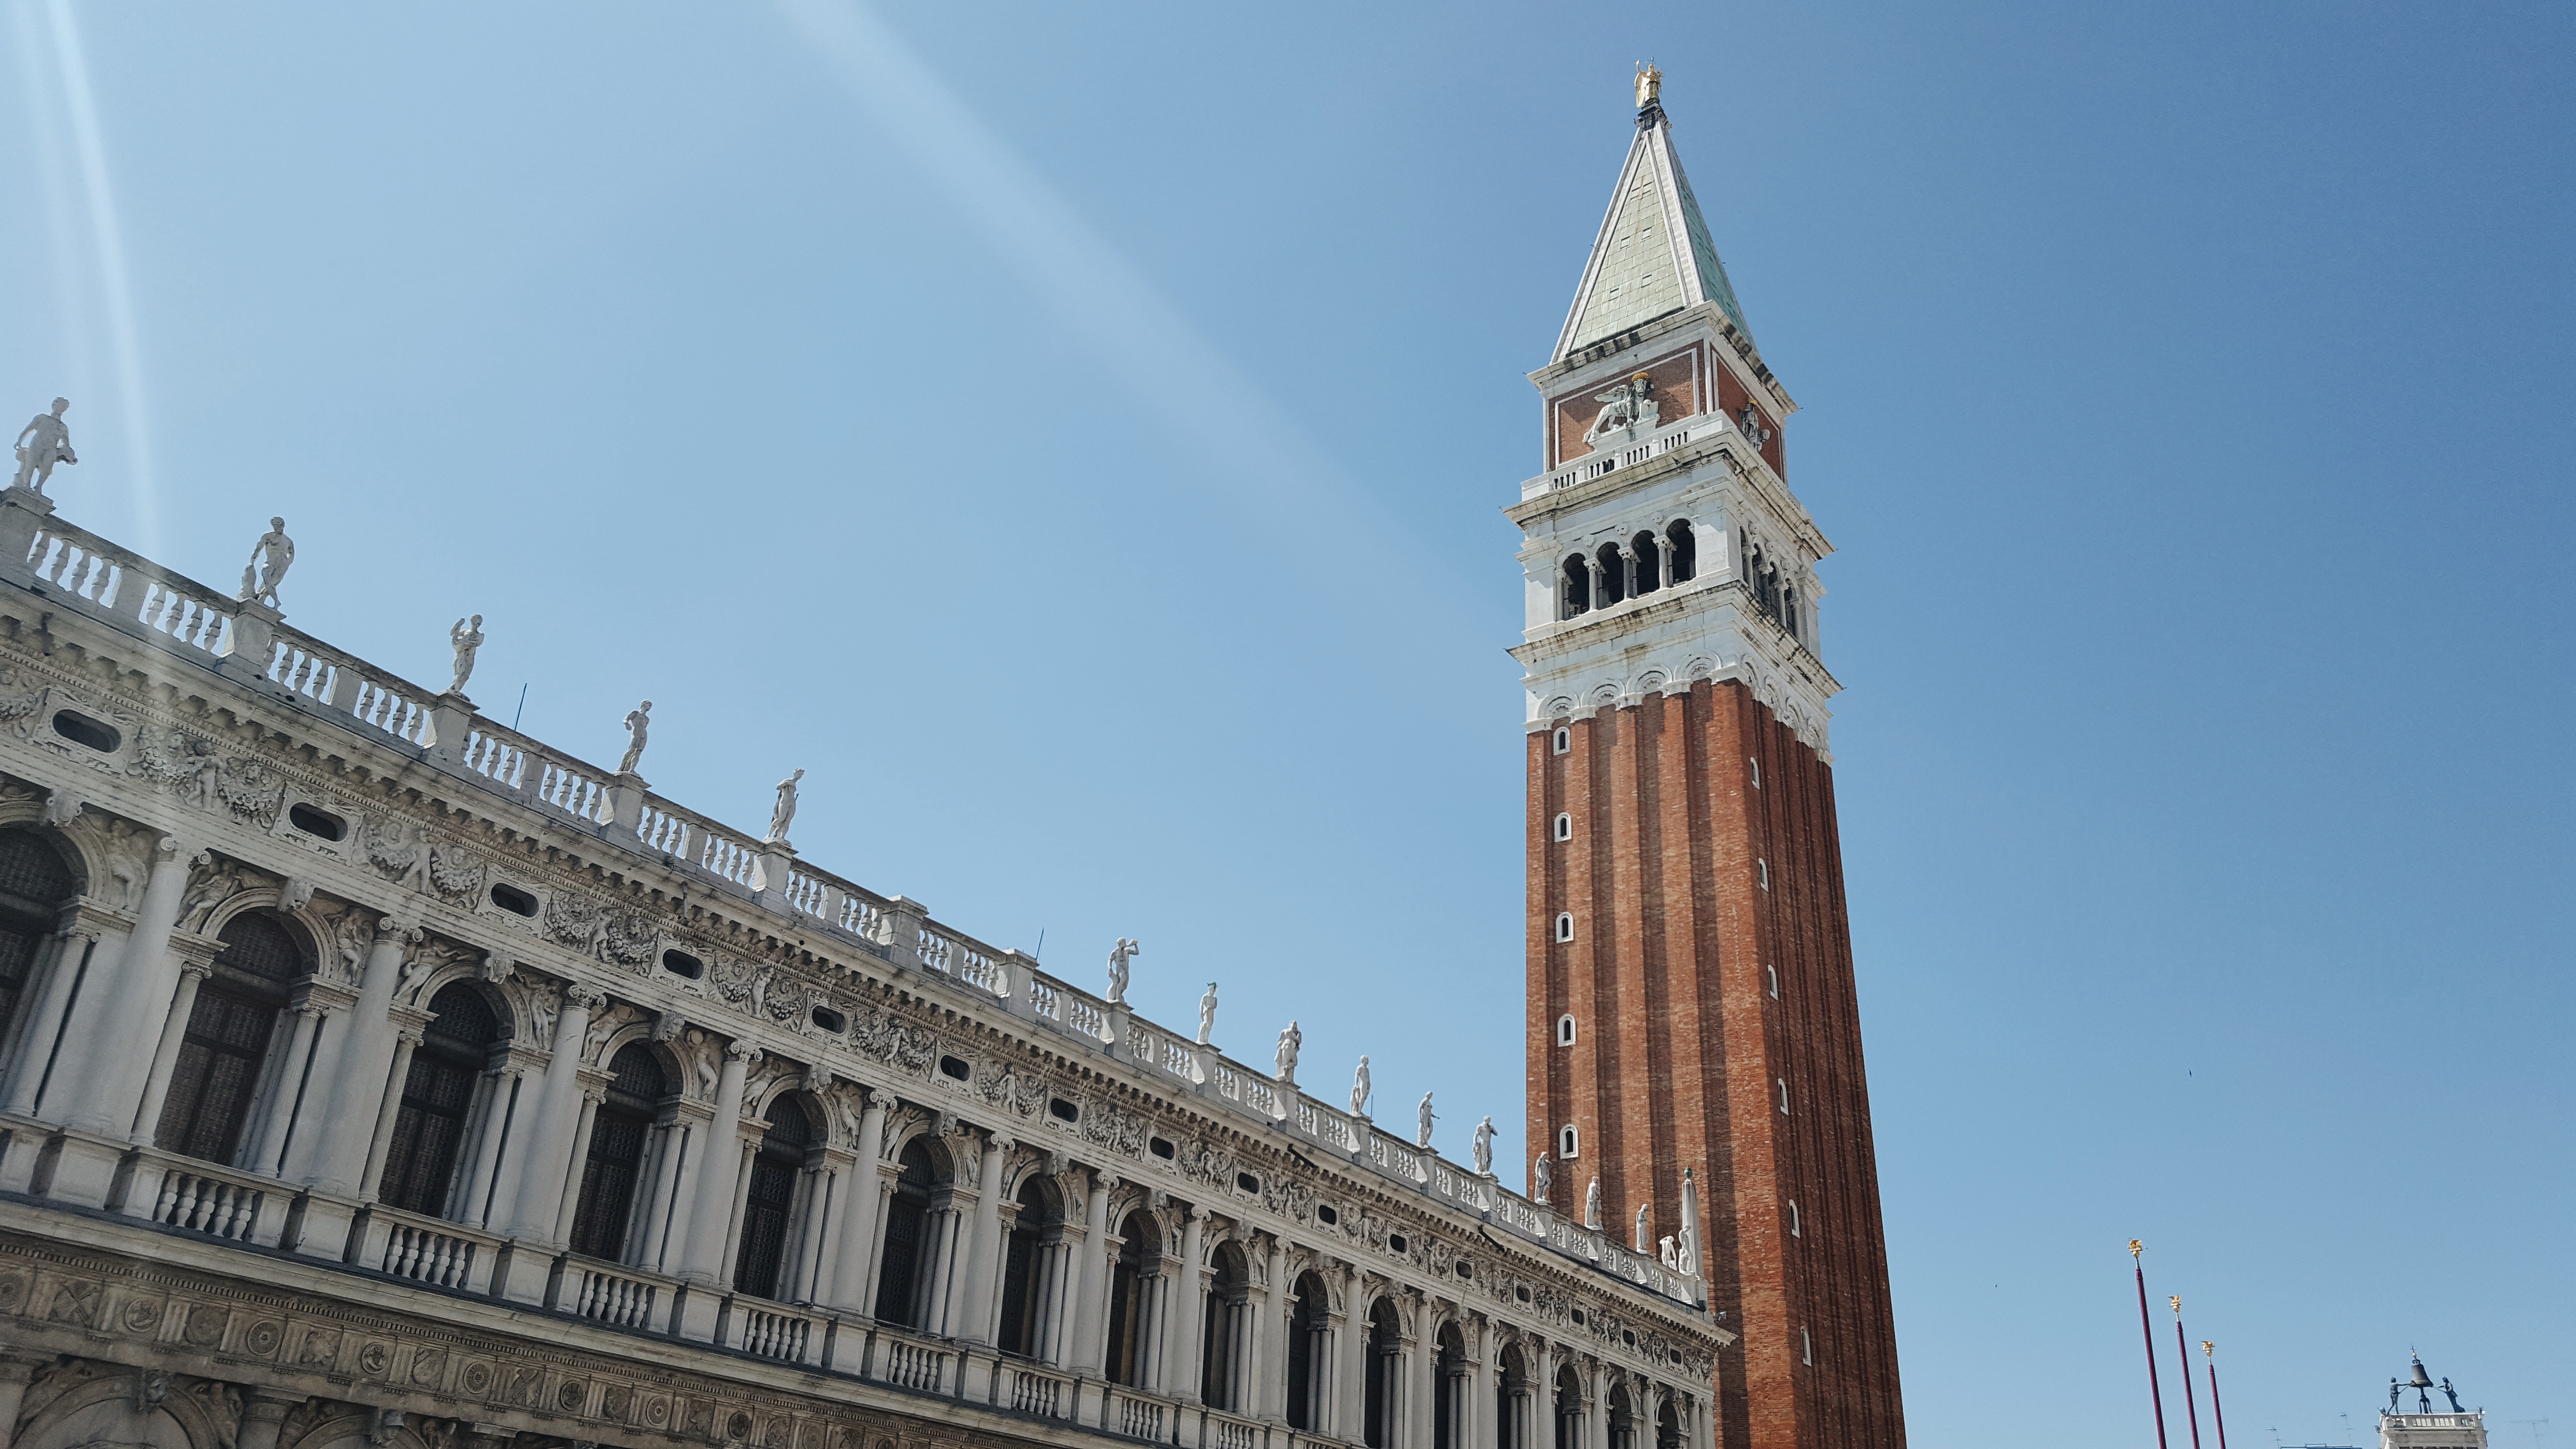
{"type": "Point", "coordinates": [191, 621]}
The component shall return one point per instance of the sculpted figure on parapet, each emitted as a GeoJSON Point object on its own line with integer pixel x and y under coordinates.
{"type": "Point", "coordinates": [638, 720]}
{"type": "Point", "coordinates": [42, 443]}
{"type": "Point", "coordinates": [270, 558]}
{"type": "Point", "coordinates": [465, 639]}
{"type": "Point", "coordinates": [1286, 1057]}
{"type": "Point", "coordinates": [783, 813]}
{"type": "Point", "coordinates": [1119, 955]}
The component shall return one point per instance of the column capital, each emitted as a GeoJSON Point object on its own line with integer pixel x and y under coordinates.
{"type": "Point", "coordinates": [743, 1052]}
{"type": "Point", "coordinates": [581, 994]}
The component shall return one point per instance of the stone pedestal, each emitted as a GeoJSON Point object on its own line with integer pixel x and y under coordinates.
{"type": "Point", "coordinates": [1118, 1016]}
{"type": "Point", "coordinates": [694, 1316]}
{"type": "Point", "coordinates": [253, 642]}
{"type": "Point", "coordinates": [626, 802]}
{"type": "Point", "coordinates": [520, 1271]}
{"type": "Point", "coordinates": [1023, 968]}
{"type": "Point", "coordinates": [451, 718]}
{"type": "Point", "coordinates": [321, 1226]}
{"type": "Point", "coordinates": [903, 920]}
{"type": "Point", "coordinates": [77, 1168]}
{"type": "Point", "coordinates": [22, 512]}
{"type": "Point", "coordinates": [771, 871]}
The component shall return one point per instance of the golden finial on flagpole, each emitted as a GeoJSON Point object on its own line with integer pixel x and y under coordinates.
{"type": "Point", "coordinates": [2176, 1302]}
{"type": "Point", "coordinates": [2208, 1349]}
{"type": "Point", "coordinates": [2136, 1247]}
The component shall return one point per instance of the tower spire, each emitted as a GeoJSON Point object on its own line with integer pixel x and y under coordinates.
{"type": "Point", "coordinates": [1654, 255]}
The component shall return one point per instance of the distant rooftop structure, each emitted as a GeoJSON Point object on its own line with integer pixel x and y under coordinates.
{"type": "Point", "coordinates": [2424, 1429]}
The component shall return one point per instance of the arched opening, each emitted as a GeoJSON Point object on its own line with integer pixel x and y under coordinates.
{"type": "Point", "coordinates": [907, 1211]}
{"type": "Point", "coordinates": [1385, 1341]}
{"type": "Point", "coordinates": [1449, 1389]}
{"type": "Point", "coordinates": [35, 884]}
{"type": "Point", "coordinates": [1035, 1248]}
{"type": "Point", "coordinates": [1613, 572]}
{"type": "Point", "coordinates": [1128, 1284]}
{"type": "Point", "coordinates": [438, 1099]}
{"type": "Point", "coordinates": [1575, 589]}
{"type": "Point", "coordinates": [227, 1037]}
{"type": "Point", "coordinates": [1668, 1427]}
{"type": "Point", "coordinates": [1569, 1405]}
{"type": "Point", "coordinates": [1683, 550]}
{"type": "Point", "coordinates": [1623, 1418]}
{"type": "Point", "coordinates": [769, 1202]}
{"type": "Point", "coordinates": [1650, 562]}
{"type": "Point", "coordinates": [1308, 1321]}
{"type": "Point", "coordinates": [620, 1131]}
{"type": "Point", "coordinates": [1512, 1401]}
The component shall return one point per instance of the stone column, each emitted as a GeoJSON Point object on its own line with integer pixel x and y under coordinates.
{"type": "Point", "coordinates": [746, 1150]}
{"type": "Point", "coordinates": [337, 1157]}
{"type": "Point", "coordinates": [1184, 1373]}
{"type": "Point", "coordinates": [1264, 1386]}
{"type": "Point", "coordinates": [1060, 1287]}
{"type": "Point", "coordinates": [574, 1171]}
{"type": "Point", "coordinates": [66, 956]}
{"type": "Point", "coordinates": [193, 972]}
{"type": "Point", "coordinates": [263, 1413]}
{"type": "Point", "coordinates": [388, 1114]}
{"type": "Point", "coordinates": [851, 1276]}
{"type": "Point", "coordinates": [1630, 567]}
{"type": "Point", "coordinates": [1350, 1372]}
{"type": "Point", "coordinates": [1090, 1332]}
{"type": "Point", "coordinates": [702, 1264]}
{"type": "Point", "coordinates": [1596, 1407]}
{"type": "Point", "coordinates": [500, 1108]}
{"type": "Point", "coordinates": [666, 1228]}
{"type": "Point", "coordinates": [817, 1271]}
{"type": "Point", "coordinates": [971, 1313]}
{"type": "Point", "coordinates": [274, 1128]}
{"type": "Point", "coordinates": [98, 1082]}
{"type": "Point", "coordinates": [1592, 565]}
{"type": "Point", "coordinates": [557, 1115]}
{"type": "Point", "coordinates": [1479, 1424]}
{"type": "Point", "coordinates": [1541, 1359]}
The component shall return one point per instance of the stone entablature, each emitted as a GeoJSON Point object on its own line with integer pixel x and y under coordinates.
{"type": "Point", "coordinates": [209, 766]}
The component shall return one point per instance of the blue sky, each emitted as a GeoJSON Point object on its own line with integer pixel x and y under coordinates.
{"type": "Point", "coordinates": [1077, 436]}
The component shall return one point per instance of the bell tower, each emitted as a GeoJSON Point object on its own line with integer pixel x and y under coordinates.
{"type": "Point", "coordinates": [1690, 992]}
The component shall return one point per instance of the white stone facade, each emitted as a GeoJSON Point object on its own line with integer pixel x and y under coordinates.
{"type": "Point", "coordinates": [373, 1073]}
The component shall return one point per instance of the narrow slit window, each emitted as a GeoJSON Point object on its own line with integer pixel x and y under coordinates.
{"type": "Point", "coordinates": [1806, 1348]}
{"type": "Point", "coordinates": [1763, 868]}
{"type": "Point", "coordinates": [1565, 1029]}
{"type": "Point", "coordinates": [1564, 827]}
{"type": "Point", "coordinates": [1568, 1145]}
{"type": "Point", "coordinates": [1564, 926]}
{"type": "Point", "coordinates": [1564, 739]}
{"type": "Point", "coordinates": [1757, 771]}
{"type": "Point", "coordinates": [1775, 981]}
{"type": "Point", "coordinates": [1793, 1219]}
{"type": "Point", "coordinates": [1783, 1084]}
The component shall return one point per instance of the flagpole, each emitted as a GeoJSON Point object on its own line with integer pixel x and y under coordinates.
{"type": "Point", "coordinates": [2182, 1346]}
{"type": "Point", "coordinates": [2209, 1351]}
{"type": "Point", "coordinates": [2147, 1327]}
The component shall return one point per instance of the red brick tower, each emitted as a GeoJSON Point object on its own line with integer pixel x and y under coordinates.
{"type": "Point", "coordinates": [1691, 1002]}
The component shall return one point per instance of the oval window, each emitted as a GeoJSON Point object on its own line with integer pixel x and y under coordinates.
{"type": "Point", "coordinates": [316, 822]}
{"type": "Point", "coordinates": [829, 1020]}
{"type": "Point", "coordinates": [80, 729]}
{"type": "Point", "coordinates": [1248, 1183]}
{"type": "Point", "coordinates": [681, 963]}
{"type": "Point", "coordinates": [514, 900]}
{"type": "Point", "coordinates": [954, 1067]}
{"type": "Point", "coordinates": [1325, 1214]}
{"type": "Point", "coordinates": [1062, 1110]}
